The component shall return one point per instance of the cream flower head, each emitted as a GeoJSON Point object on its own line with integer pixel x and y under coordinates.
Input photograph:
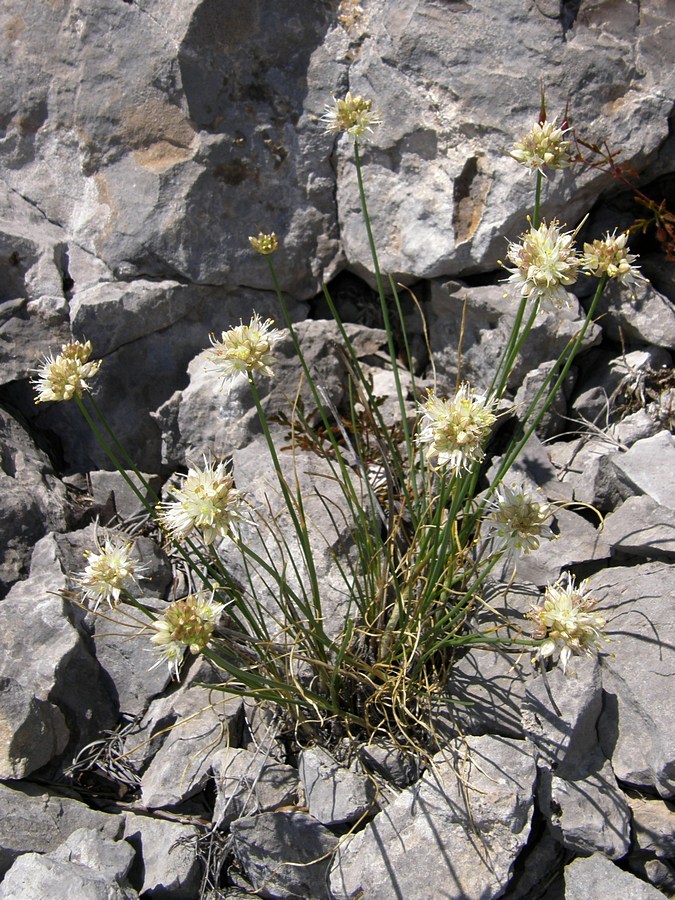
{"type": "Point", "coordinates": [543, 147]}
{"type": "Point", "coordinates": [188, 624]}
{"type": "Point", "coordinates": [566, 622]}
{"type": "Point", "coordinates": [65, 376]}
{"type": "Point", "coordinates": [265, 243]}
{"type": "Point", "coordinates": [207, 501]}
{"type": "Point", "coordinates": [517, 519]}
{"type": "Point", "coordinates": [244, 349]}
{"type": "Point", "coordinates": [354, 115]}
{"type": "Point", "coordinates": [545, 262]}
{"type": "Point", "coordinates": [454, 431]}
{"type": "Point", "coordinates": [610, 257]}
{"type": "Point", "coordinates": [110, 572]}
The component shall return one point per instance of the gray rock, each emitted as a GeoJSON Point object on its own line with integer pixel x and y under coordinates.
{"type": "Point", "coordinates": [166, 864]}
{"type": "Point", "coordinates": [474, 805]}
{"type": "Point", "coordinates": [588, 813]}
{"type": "Point", "coordinates": [34, 877]}
{"type": "Point", "coordinates": [641, 527]}
{"type": "Point", "coordinates": [577, 541]}
{"type": "Point", "coordinates": [36, 820]}
{"type": "Point", "coordinates": [162, 119]}
{"type": "Point", "coordinates": [169, 323]}
{"type": "Point", "coordinates": [456, 114]}
{"type": "Point", "coordinates": [565, 742]}
{"type": "Point", "coordinates": [334, 793]}
{"type": "Point", "coordinates": [33, 499]}
{"type": "Point", "coordinates": [202, 722]}
{"type": "Point", "coordinates": [647, 468]}
{"type": "Point", "coordinates": [489, 318]}
{"type": "Point", "coordinates": [635, 729]}
{"type": "Point", "coordinates": [647, 319]}
{"type": "Point", "coordinates": [284, 854]}
{"type": "Point", "coordinates": [653, 830]}
{"type": "Point", "coordinates": [391, 763]}
{"type": "Point", "coordinates": [87, 847]}
{"type": "Point", "coordinates": [486, 687]}
{"type": "Point", "coordinates": [113, 493]}
{"type": "Point", "coordinates": [64, 672]}
{"type": "Point", "coordinates": [596, 876]}
{"type": "Point", "coordinates": [32, 731]}
{"type": "Point", "coordinates": [247, 782]}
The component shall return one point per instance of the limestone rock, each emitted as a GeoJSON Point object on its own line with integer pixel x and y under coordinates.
{"type": "Point", "coordinates": [33, 499]}
{"type": "Point", "coordinates": [247, 783]}
{"type": "Point", "coordinates": [334, 794]}
{"type": "Point", "coordinates": [596, 876]}
{"type": "Point", "coordinates": [36, 820]}
{"type": "Point", "coordinates": [635, 729]}
{"type": "Point", "coordinates": [32, 731]}
{"type": "Point", "coordinates": [475, 802]}
{"type": "Point", "coordinates": [165, 863]}
{"type": "Point", "coordinates": [269, 847]}
{"type": "Point", "coordinates": [640, 527]}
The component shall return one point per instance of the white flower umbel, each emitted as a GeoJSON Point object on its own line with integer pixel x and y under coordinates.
{"type": "Point", "coordinates": [517, 520]}
{"type": "Point", "coordinates": [453, 432]}
{"type": "Point", "coordinates": [65, 376]}
{"type": "Point", "coordinates": [187, 624]}
{"type": "Point", "coordinates": [610, 257]}
{"type": "Point", "coordinates": [207, 501]}
{"type": "Point", "coordinates": [354, 116]}
{"type": "Point", "coordinates": [244, 349]}
{"type": "Point", "coordinates": [566, 623]}
{"type": "Point", "coordinates": [545, 262]}
{"type": "Point", "coordinates": [543, 147]}
{"type": "Point", "coordinates": [110, 572]}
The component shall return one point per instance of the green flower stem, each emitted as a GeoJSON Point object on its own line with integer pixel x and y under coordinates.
{"type": "Point", "coordinates": [380, 290]}
{"type": "Point", "coordinates": [295, 510]}
{"type": "Point", "coordinates": [121, 451]}
{"type": "Point", "coordinates": [108, 450]}
{"type": "Point", "coordinates": [568, 357]}
{"type": "Point", "coordinates": [536, 212]}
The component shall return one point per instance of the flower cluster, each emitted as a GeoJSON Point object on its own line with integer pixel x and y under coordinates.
{"type": "Point", "coordinates": [517, 520]}
{"type": "Point", "coordinates": [610, 257]}
{"type": "Point", "coordinates": [186, 624]}
{"type": "Point", "coordinates": [353, 115]}
{"type": "Point", "coordinates": [566, 623]}
{"type": "Point", "coordinates": [65, 376]}
{"type": "Point", "coordinates": [544, 147]}
{"type": "Point", "coordinates": [545, 262]}
{"type": "Point", "coordinates": [245, 349]}
{"type": "Point", "coordinates": [265, 243]}
{"type": "Point", "coordinates": [207, 502]}
{"type": "Point", "coordinates": [454, 431]}
{"type": "Point", "coordinates": [109, 573]}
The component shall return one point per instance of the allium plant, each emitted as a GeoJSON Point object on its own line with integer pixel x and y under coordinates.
{"type": "Point", "coordinates": [427, 529]}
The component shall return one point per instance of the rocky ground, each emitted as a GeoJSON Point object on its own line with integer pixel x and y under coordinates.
{"type": "Point", "coordinates": [141, 143]}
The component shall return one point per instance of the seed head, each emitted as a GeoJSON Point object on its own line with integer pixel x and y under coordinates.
{"type": "Point", "coordinates": [566, 622]}
{"type": "Point", "coordinates": [544, 147]}
{"type": "Point", "coordinates": [454, 431]}
{"type": "Point", "coordinates": [517, 520]}
{"type": "Point", "coordinates": [610, 257]}
{"type": "Point", "coordinates": [207, 502]}
{"type": "Point", "coordinates": [186, 624]}
{"type": "Point", "coordinates": [110, 572]}
{"type": "Point", "coordinates": [65, 376]}
{"type": "Point", "coordinates": [353, 115]}
{"type": "Point", "coordinates": [545, 262]}
{"type": "Point", "coordinates": [244, 349]}
{"type": "Point", "coordinates": [265, 243]}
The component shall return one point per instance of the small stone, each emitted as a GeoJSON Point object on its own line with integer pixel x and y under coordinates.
{"type": "Point", "coordinates": [334, 794]}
